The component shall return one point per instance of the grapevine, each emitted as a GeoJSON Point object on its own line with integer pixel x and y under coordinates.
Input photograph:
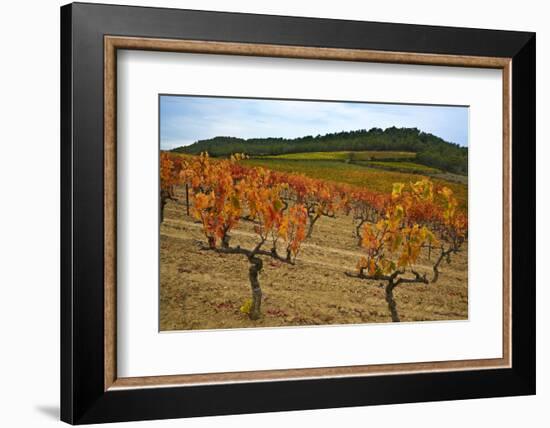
{"type": "Point", "coordinates": [392, 229]}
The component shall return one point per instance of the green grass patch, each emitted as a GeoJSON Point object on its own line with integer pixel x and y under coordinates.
{"type": "Point", "coordinates": [403, 166]}
{"type": "Point", "coordinates": [344, 156]}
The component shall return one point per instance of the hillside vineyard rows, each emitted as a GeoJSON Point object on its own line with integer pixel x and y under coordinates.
{"type": "Point", "coordinates": [282, 211]}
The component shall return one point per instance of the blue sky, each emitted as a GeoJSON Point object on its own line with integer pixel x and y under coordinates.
{"type": "Point", "coordinates": [186, 119]}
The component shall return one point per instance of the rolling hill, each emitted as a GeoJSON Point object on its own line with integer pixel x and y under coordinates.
{"type": "Point", "coordinates": [430, 149]}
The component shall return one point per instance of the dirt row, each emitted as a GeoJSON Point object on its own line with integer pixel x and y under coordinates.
{"type": "Point", "coordinates": [201, 289]}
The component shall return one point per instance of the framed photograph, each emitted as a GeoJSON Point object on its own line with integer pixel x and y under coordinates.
{"type": "Point", "coordinates": [265, 213]}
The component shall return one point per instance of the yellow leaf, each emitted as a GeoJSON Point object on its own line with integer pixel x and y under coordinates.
{"type": "Point", "coordinates": [246, 307]}
{"type": "Point", "coordinates": [397, 189]}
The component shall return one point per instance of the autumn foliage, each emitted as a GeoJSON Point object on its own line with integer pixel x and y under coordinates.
{"type": "Point", "coordinates": [416, 217]}
{"type": "Point", "coordinates": [392, 229]}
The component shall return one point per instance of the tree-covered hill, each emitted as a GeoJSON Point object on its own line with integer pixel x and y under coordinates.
{"type": "Point", "coordinates": [430, 150]}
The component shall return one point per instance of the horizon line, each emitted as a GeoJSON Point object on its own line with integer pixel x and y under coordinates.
{"type": "Point", "coordinates": [316, 136]}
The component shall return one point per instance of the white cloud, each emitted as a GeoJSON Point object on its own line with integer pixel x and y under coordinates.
{"type": "Point", "coordinates": [188, 119]}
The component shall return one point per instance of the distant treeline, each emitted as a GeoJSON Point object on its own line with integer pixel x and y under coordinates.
{"type": "Point", "coordinates": [430, 150]}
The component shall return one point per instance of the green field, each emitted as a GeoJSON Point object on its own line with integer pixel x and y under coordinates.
{"type": "Point", "coordinates": [404, 166]}
{"type": "Point", "coordinates": [376, 179]}
{"type": "Point", "coordinates": [344, 156]}
{"type": "Point", "coordinates": [390, 160]}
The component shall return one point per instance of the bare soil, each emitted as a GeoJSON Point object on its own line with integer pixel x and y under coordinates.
{"type": "Point", "coordinates": [201, 289]}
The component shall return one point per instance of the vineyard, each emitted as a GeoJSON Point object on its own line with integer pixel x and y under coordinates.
{"type": "Point", "coordinates": [244, 246]}
{"type": "Point", "coordinates": [357, 175]}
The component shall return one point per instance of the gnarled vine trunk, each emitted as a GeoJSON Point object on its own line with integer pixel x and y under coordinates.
{"type": "Point", "coordinates": [444, 255]}
{"type": "Point", "coordinates": [164, 196]}
{"type": "Point", "coordinates": [162, 205]}
{"type": "Point", "coordinates": [392, 281]}
{"type": "Point", "coordinates": [391, 302]}
{"type": "Point", "coordinates": [256, 265]}
{"type": "Point", "coordinates": [253, 273]}
{"type": "Point", "coordinates": [312, 221]}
